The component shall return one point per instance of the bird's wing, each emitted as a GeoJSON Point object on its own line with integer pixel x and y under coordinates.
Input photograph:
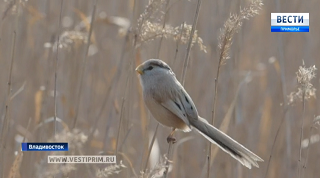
{"type": "Point", "coordinates": [188, 104]}
{"type": "Point", "coordinates": [181, 105]}
{"type": "Point", "coordinates": [176, 107]}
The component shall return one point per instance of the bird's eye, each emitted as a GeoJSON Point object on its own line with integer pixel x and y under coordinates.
{"type": "Point", "coordinates": [150, 68]}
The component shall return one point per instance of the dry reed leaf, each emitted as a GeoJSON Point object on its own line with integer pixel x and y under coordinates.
{"type": "Point", "coordinates": [51, 119]}
{"type": "Point", "coordinates": [113, 71]}
{"type": "Point", "coordinates": [9, 7]}
{"type": "Point", "coordinates": [131, 5]}
{"type": "Point", "coordinates": [144, 122]}
{"type": "Point", "coordinates": [15, 168]}
{"type": "Point", "coordinates": [263, 85]}
{"type": "Point", "coordinates": [96, 144]}
{"type": "Point", "coordinates": [116, 106]}
{"type": "Point", "coordinates": [226, 121]}
{"type": "Point", "coordinates": [64, 100]}
{"type": "Point", "coordinates": [72, 113]}
{"type": "Point", "coordinates": [275, 167]}
{"type": "Point", "coordinates": [121, 22]}
{"type": "Point", "coordinates": [265, 124]}
{"type": "Point", "coordinates": [65, 104]}
{"type": "Point", "coordinates": [23, 131]}
{"type": "Point", "coordinates": [277, 66]}
{"type": "Point", "coordinates": [113, 143]}
{"type": "Point", "coordinates": [138, 57]}
{"type": "Point", "coordinates": [143, 112]}
{"type": "Point", "coordinates": [84, 18]}
{"type": "Point", "coordinates": [312, 103]}
{"type": "Point", "coordinates": [272, 171]}
{"type": "Point", "coordinates": [35, 16]}
{"type": "Point", "coordinates": [18, 91]}
{"type": "Point", "coordinates": [38, 104]}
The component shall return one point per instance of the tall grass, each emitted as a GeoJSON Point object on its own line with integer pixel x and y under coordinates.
{"type": "Point", "coordinates": [67, 74]}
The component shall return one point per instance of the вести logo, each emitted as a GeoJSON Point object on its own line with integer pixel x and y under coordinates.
{"type": "Point", "coordinates": [289, 22]}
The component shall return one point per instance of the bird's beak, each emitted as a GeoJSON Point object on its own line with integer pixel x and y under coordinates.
{"type": "Point", "coordinates": [139, 69]}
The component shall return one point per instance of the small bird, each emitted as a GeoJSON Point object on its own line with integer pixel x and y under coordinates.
{"type": "Point", "coordinates": [170, 105]}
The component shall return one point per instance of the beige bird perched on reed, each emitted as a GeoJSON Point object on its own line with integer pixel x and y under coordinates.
{"type": "Point", "coordinates": [171, 106]}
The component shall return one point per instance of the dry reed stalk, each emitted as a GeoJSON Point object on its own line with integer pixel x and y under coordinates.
{"type": "Point", "coordinates": [300, 164]}
{"type": "Point", "coordinates": [144, 125]}
{"type": "Point", "coordinates": [15, 168]}
{"type": "Point", "coordinates": [304, 92]}
{"type": "Point", "coordinates": [38, 99]}
{"type": "Point", "coordinates": [304, 77]}
{"type": "Point", "coordinates": [55, 71]}
{"type": "Point", "coordinates": [114, 77]}
{"type": "Point", "coordinates": [227, 118]}
{"type": "Point", "coordinates": [274, 142]}
{"type": "Point", "coordinates": [150, 148]}
{"type": "Point", "coordinates": [193, 29]}
{"type": "Point", "coordinates": [87, 23]}
{"type": "Point", "coordinates": [7, 9]}
{"type": "Point", "coordinates": [103, 105]}
{"type": "Point", "coordinates": [231, 27]}
{"type": "Point", "coordinates": [186, 63]}
{"type": "Point", "coordinates": [18, 91]}
{"type": "Point", "coordinates": [177, 45]}
{"type": "Point", "coordinates": [84, 64]}
{"type": "Point", "coordinates": [126, 97]}
{"type": "Point", "coordinates": [280, 69]}
{"type": "Point", "coordinates": [163, 26]}
{"type": "Point", "coordinates": [7, 119]}
{"type": "Point", "coordinates": [149, 28]}
{"type": "Point", "coordinates": [120, 121]}
{"type": "Point", "coordinates": [265, 124]}
{"type": "Point", "coordinates": [315, 121]}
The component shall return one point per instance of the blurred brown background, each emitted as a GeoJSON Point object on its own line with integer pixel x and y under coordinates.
{"type": "Point", "coordinates": [101, 89]}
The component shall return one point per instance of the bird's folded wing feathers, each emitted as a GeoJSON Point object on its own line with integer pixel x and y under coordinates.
{"type": "Point", "coordinates": [176, 108]}
{"type": "Point", "coordinates": [182, 106]}
{"type": "Point", "coordinates": [188, 105]}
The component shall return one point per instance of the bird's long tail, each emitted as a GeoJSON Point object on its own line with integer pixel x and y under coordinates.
{"type": "Point", "coordinates": [226, 143]}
